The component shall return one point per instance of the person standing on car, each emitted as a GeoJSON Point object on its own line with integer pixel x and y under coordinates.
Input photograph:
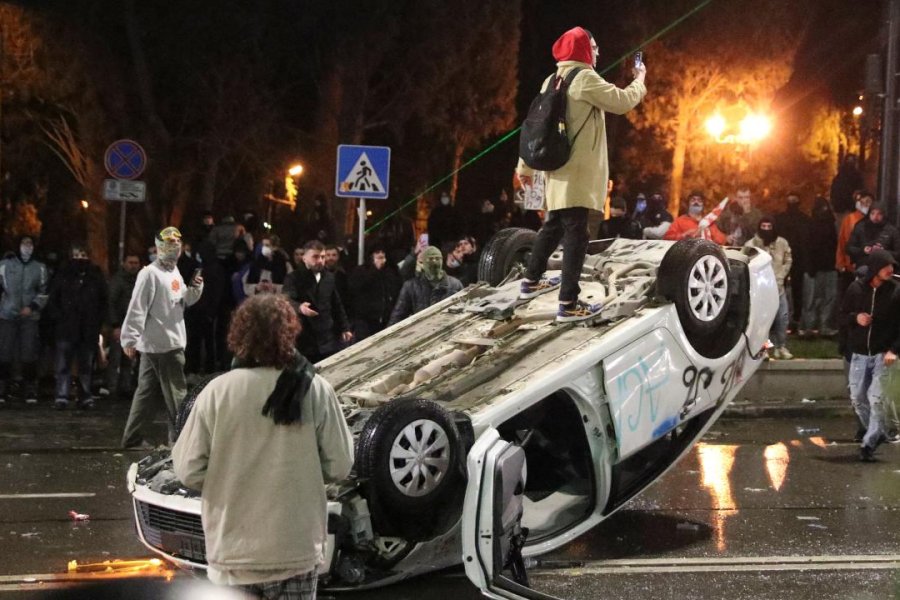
{"type": "Point", "coordinates": [767, 239]}
{"type": "Point", "coordinates": [314, 291]}
{"type": "Point", "coordinates": [260, 444]}
{"type": "Point", "coordinates": [430, 285]}
{"type": "Point", "coordinates": [154, 326]}
{"type": "Point", "coordinates": [871, 310]}
{"type": "Point", "coordinates": [580, 184]}
{"type": "Point", "coordinates": [24, 294]}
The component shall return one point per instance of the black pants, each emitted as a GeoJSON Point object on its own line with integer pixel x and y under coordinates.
{"type": "Point", "coordinates": [570, 226]}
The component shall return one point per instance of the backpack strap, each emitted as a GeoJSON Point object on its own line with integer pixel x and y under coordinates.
{"type": "Point", "coordinates": [570, 77]}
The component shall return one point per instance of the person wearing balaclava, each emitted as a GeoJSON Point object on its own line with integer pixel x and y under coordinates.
{"type": "Point", "coordinates": [154, 326]}
{"type": "Point", "coordinates": [656, 220]}
{"type": "Point", "coordinates": [794, 225]}
{"type": "Point", "coordinates": [767, 239]}
{"type": "Point", "coordinates": [871, 313]}
{"type": "Point", "coordinates": [430, 285]}
{"type": "Point", "coordinates": [24, 295]}
{"type": "Point", "coordinates": [77, 305]}
{"type": "Point", "coordinates": [580, 184]}
{"type": "Point", "coordinates": [444, 222]}
{"type": "Point", "coordinates": [873, 233]}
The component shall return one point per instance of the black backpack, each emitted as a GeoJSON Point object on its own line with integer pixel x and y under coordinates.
{"type": "Point", "coordinates": [543, 142]}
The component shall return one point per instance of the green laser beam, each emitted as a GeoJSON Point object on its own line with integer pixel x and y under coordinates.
{"type": "Point", "coordinates": [510, 134]}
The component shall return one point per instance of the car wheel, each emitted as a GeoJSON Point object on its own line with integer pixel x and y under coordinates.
{"type": "Point", "coordinates": [508, 248]}
{"type": "Point", "coordinates": [184, 411]}
{"type": "Point", "coordinates": [409, 455]}
{"type": "Point", "coordinates": [694, 275]}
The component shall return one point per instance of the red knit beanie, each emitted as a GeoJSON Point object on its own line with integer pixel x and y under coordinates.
{"type": "Point", "coordinates": [575, 44]}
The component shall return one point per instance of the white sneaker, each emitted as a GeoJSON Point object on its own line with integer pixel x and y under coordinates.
{"type": "Point", "coordinates": [783, 353]}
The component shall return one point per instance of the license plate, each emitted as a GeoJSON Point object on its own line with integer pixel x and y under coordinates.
{"type": "Point", "coordinates": [183, 545]}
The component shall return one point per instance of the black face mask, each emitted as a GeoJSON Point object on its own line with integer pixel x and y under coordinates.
{"type": "Point", "coordinates": [80, 264]}
{"type": "Point", "coordinates": [767, 236]}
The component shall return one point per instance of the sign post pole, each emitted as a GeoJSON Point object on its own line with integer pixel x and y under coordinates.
{"type": "Point", "coordinates": [362, 232]}
{"type": "Point", "coordinates": [122, 232]}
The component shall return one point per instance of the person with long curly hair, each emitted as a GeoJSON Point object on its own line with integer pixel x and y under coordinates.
{"type": "Point", "coordinates": [260, 444]}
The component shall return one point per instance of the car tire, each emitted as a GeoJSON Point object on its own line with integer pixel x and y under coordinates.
{"type": "Point", "coordinates": [409, 455]}
{"type": "Point", "coordinates": [694, 275]}
{"type": "Point", "coordinates": [503, 252]}
{"type": "Point", "coordinates": [184, 410]}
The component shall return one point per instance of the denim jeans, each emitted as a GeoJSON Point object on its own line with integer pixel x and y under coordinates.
{"type": "Point", "coordinates": [867, 378]}
{"type": "Point", "coordinates": [568, 225]}
{"type": "Point", "coordinates": [778, 332]}
{"type": "Point", "coordinates": [819, 292]}
{"type": "Point", "coordinates": [83, 353]}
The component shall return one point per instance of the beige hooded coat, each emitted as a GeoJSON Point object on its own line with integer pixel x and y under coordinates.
{"type": "Point", "coordinates": [583, 179]}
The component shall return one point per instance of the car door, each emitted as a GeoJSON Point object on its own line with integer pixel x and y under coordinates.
{"type": "Point", "coordinates": [492, 513]}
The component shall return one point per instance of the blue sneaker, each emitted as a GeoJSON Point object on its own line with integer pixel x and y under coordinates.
{"type": "Point", "coordinates": [579, 311]}
{"type": "Point", "coordinates": [532, 289]}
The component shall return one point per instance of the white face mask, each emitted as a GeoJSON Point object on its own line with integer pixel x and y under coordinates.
{"type": "Point", "coordinates": [445, 200]}
{"type": "Point", "coordinates": [862, 208]}
{"type": "Point", "coordinates": [266, 251]}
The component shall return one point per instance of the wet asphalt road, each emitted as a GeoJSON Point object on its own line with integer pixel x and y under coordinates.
{"type": "Point", "coordinates": [756, 511]}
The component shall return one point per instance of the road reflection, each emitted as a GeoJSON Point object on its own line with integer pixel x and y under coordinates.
{"type": "Point", "coordinates": [715, 466]}
{"type": "Point", "coordinates": [777, 460]}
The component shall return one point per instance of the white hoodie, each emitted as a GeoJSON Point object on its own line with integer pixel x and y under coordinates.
{"type": "Point", "coordinates": [154, 322]}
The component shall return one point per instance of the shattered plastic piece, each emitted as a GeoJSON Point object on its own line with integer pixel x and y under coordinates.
{"type": "Point", "coordinates": [805, 518]}
{"type": "Point", "coordinates": [77, 516]}
{"type": "Point", "coordinates": [807, 401]}
{"type": "Point", "coordinates": [31, 534]}
{"type": "Point", "coordinates": [749, 489]}
{"type": "Point", "coordinates": [808, 430]}
{"type": "Point", "coordinates": [817, 526]}
{"type": "Point", "coordinates": [687, 526]}
{"type": "Point", "coordinates": [117, 454]}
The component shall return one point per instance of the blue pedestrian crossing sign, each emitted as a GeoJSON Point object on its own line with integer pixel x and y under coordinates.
{"type": "Point", "coordinates": [363, 172]}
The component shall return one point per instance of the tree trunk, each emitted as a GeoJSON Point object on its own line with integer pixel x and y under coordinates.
{"type": "Point", "coordinates": [678, 155]}
{"type": "Point", "coordinates": [457, 162]}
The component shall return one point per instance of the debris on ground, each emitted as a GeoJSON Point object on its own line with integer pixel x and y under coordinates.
{"type": "Point", "coordinates": [686, 526]}
{"type": "Point", "coordinates": [77, 516]}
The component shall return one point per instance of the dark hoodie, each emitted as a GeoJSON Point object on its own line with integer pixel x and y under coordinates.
{"type": "Point", "coordinates": [822, 239]}
{"type": "Point", "coordinates": [656, 212]}
{"type": "Point", "coordinates": [78, 302]}
{"type": "Point", "coordinates": [866, 233]}
{"type": "Point", "coordinates": [883, 303]}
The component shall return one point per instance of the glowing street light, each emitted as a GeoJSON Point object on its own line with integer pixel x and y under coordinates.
{"type": "Point", "coordinates": [716, 125]}
{"type": "Point", "coordinates": [295, 170]}
{"type": "Point", "coordinates": [857, 111]}
{"type": "Point", "coordinates": [754, 128]}
{"type": "Point", "coordinates": [84, 204]}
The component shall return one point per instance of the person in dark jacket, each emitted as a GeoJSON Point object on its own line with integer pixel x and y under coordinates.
{"type": "Point", "coordinates": [619, 224]}
{"type": "Point", "coordinates": [793, 225]}
{"type": "Point", "coordinates": [78, 306]}
{"type": "Point", "coordinates": [444, 222]}
{"type": "Point", "coordinates": [313, 290]}
{"type": "Point", "coordinates": [121, 376]}
{"type": "Point", "coordinates": [847, 181]}
{"type": "Point", "coordinates": [871, 310]}
{"type": "Point", "coordinates": [656, 220]}
{"type": "Point", "coordinates": [200, 317]}
{"type": "Point", "coordinates": [819, 274]}
{"type": "Point", "coordinates": [873, 233]}
{"type": "Point", "coordinates": [374, 288]}
{"type": "Point", "coordinates": [23, 295]}
{"type": "Point", "coordinates": [430, 285]}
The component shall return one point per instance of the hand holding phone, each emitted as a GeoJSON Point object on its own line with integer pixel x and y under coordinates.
{"type": "Point", "coordinates": [638, 59]}
{"type": "Point", "coordinates": [197, 277]}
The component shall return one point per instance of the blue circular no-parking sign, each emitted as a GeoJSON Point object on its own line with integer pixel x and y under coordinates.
{"type": "Point", "coordinates": [125, 159]}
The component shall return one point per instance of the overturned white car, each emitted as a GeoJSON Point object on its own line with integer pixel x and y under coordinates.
{"type": "Point", "coordinates": [486, 432]}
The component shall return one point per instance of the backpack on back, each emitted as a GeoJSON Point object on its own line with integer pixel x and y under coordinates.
{"type": "Point", "coordinates": [543, 141]}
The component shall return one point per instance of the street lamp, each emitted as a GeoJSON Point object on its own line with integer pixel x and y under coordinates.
{"type": "Point", "coordinates": [715, 125]}
{"type": "Point", "coordinates": [857, 111]}
{"type": "Point", "coordinates": [754, 128]}
{"type": "Point", "coordinates": [296, 170]}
